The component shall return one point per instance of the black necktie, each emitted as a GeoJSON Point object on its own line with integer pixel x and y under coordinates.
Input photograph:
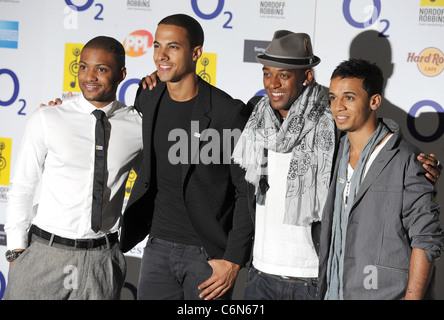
{"type": "Point", "coordinates": [99, 170]}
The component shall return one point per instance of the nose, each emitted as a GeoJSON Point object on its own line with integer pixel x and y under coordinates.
{"type": "Point", "coordinates": [91, 75]}
{"type": "Point", "coordinates": [337, 105]}
{"type": "Point", "coordinates": [274, 82]}
{"type": "Point", "coordinates": [160, 54]}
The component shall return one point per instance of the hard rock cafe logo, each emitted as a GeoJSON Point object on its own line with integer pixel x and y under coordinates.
{"type": "Point", "coordinates": [430, 61]}
{"type": "Point", "coordinates": [206, 67]}
{"type": "Point", "coordinates": [71, 68]}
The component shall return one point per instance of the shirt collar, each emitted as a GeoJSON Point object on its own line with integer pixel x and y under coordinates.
{"type": "Point", "coordinates": [88, 107]}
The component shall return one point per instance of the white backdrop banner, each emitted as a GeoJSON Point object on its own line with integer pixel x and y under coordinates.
{"type": "Point", "coordinates": [40, 43]}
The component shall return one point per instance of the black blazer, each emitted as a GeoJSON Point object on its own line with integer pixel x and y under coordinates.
{"type": "Point", "coordinates": [215, 194]}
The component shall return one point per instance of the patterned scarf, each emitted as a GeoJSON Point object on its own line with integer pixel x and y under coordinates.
{"type": "Point", "coordinates": [308, 132]}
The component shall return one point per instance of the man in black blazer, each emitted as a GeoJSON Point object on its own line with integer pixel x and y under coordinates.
{"type": "Point", "coordinates": [195, 212]}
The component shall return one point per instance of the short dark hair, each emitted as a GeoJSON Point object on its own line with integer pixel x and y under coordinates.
{"type": "Point", "coordinates": [110, 45]}
{"type": "Point", "coordinates": [193, 27]}
{"type": "Point", "coordinates": [370, 73]}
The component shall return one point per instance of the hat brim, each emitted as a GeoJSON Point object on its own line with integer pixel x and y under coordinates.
{"type": "Point", "coordinates": [287, 63]}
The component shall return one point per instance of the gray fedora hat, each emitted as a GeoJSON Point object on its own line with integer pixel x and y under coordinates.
{"type": "Point", "coordinates": [289, 50]}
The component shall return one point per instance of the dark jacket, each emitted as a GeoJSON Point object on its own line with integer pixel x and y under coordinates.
{"type": "Point", "coordinates": [215, 194]}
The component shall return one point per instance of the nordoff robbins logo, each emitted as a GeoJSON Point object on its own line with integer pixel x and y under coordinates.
{"type": "Point", "coordinates": [431, 12]}
{"type": "Point", "coordinates": [430, 61]}
{"type": "Point", "coordinates": [272, 8]}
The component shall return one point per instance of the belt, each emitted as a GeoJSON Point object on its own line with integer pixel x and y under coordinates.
{"type": "Point", "coordinates": [109, 239]}
{"type": "Point", "coordinates": [313, 281]}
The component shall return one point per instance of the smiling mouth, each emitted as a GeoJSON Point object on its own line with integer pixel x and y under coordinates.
{"type": "Point", "coordinates": [341, 119]}
{"type": "Point", "coordinates": [91, 86]}
{"type": "Point", "coordinates": [164, 67]}
{"type": "Point", "coordinates": [276, 95]}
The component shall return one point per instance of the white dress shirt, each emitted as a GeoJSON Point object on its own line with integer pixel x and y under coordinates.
{"type": "Point", "coordinates": [57, 151]}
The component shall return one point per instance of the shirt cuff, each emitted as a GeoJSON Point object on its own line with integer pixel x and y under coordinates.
{"type": "Point", "coordinates": [17, 240]}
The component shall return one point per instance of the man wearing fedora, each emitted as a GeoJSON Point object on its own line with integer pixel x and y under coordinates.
{"type": "Point", "coordinates": [287, 150]}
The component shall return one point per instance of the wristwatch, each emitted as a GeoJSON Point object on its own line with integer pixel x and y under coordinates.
{"type": "Point", "coordinates": [12, 255]}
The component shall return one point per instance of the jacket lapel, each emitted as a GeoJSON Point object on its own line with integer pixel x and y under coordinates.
{"type": "Point", "coordinates": [200, 120]}
{"type": "Point", "coordinates": [376, 168]}
{"type": "Point", "coordinates": [149, 104]}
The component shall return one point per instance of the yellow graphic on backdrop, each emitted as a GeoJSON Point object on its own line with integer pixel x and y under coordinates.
{"type": "Point", "coordinates": [130, 183]}
{"type": "Point", "coordinates": [71, 68]}
{"type": "Point", "coordinates": [206, 67]}
{"type": "Point", "coordinates": [432, 3]}
{"type": "Point", "coordinates": [5, 160]}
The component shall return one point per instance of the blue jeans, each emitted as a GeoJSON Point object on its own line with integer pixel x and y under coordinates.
{"type": "Point", "coordinates": [172, 271]}
{"type": "Point", "coordinates": [263, 286]}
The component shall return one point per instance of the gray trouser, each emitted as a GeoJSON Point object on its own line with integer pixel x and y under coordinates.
{"type": "Point", "coordinates": [59, 272]}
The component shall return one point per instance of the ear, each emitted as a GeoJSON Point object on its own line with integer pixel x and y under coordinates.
{"type": "Point", "coordinates": [375, 101]}
{"type": "Point", "coordinates": [122, 75]}
{"type": "Point", "coordinates": [197, 53]}
{"type": "Point", "coordinates": [308, 76]}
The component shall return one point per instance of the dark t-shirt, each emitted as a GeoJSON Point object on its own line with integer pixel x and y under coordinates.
{"type": "Point", "coordinates": [170, 221]}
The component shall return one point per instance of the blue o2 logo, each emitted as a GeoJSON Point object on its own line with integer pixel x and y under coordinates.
{"type": "Point", "coordinates": [85, 7]}
{"type": "Point", "coordinates": [214, 14]}
{"type": "Point", "coordinates": [124, 88]}
{"type": "Point", "coordinates": [372, 17]}
{"type": "Point", "coordinates": [220, 6]}
{"type": "Point", "coordinates": [261, 92]}
{"type": "Point", "coordinates": [411, 120]}
{"type": "Point", "coordinates": [80, 8]}
{"type": "Point", "coordinates": [15, 91]}
{"type": "Point", "coordinates": [365, 24]}
{"type": "Point", "coordinates": [2, 285]}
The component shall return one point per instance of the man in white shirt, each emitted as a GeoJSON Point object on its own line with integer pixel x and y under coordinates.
{"type": "Point", "coordinates": [63, 250]}
{"type": "Point", "coordinates": [287, 149]}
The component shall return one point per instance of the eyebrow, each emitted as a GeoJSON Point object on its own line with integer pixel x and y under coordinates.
{"type": "Point", "coordinates": [345, 92]}
{"type": "Point", "coordinates": [169, 43]}
{"type": "Point", "coordinates": [280, 70]}
{"type": "Point", "coordinates": [97, 65]}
